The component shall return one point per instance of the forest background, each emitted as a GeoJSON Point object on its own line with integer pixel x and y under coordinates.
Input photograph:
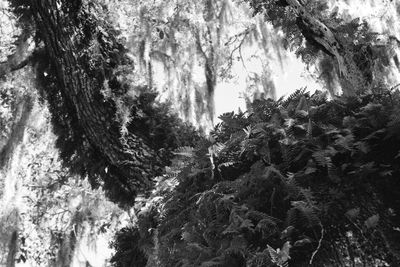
{"type": "Point", "coordinates": [81, 125]}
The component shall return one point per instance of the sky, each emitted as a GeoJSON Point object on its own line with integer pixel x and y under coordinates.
{"type": "Point", "coordinates": [287, 76]}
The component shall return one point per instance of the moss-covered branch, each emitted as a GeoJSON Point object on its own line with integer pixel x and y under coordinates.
{"type": "Point", "coordinates": [77, 75]}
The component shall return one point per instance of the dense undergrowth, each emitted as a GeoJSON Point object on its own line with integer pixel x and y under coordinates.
{"type": "Point", "coordinates": [296, 182]}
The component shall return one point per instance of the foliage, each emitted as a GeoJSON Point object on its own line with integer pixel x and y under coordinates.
{"type": "Point", "coordinates": [8, 30]}
{"type": "Point", "coordinates": [104, 146]}
{"type": "Point", "coordinates": [125, 149]}
{"type": "Point", "coordinates": [368, 52]}
{"type": "Point", "coordinates": [7, 112]}
{"type": "Point", "coordinates": [55, 211]}
{"type": "Point", "coordinates": [45, 212]}
{"type": "Point", "coordinates": [128, 254]}
{"type": "Point", "coordinates": [291, 182]}
{"type": "Point", "coordinates": [301, 181]}
{"type": "Point", "coordinates": [161, 35]}
{"type": "Point", "coordinates": [13, 93]}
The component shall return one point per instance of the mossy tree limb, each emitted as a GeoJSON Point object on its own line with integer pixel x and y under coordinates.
{"type": "Point", "coordinates": [81, 60]}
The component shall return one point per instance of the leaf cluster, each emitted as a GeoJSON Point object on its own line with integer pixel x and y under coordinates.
{"type": "Point", "coordinates": [279, 184]}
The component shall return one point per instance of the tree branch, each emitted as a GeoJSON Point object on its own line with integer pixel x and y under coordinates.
{"type": "Point", "coordinates": [21, 57]}
{"type": "Point", "coordinates": [23, 113]}
{"type": "Point", "coordinates": [244, 35]}
{"type": "Point", "coordinates": [323, 35]}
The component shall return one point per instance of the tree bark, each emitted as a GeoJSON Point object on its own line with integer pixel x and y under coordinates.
{"type": "Point", "coordinates": [316, 30]}
{"type": "Point", "coordinates": [323, 35]}
{"type": "Point", "coordinates": [129, 162]}
{"type": "Point", "coordinates": [12, 249]}
{"type": "Point", "coordinates": [22, 115]}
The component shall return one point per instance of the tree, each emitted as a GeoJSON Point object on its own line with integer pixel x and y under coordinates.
{"type": "Point", "coordinates": [351, 45]}
{"type": "Point", "coordinates": [270, 186]}
{"type": "Point", "coordinates": [162, 35]}
{"type": "Point", "coordinates": [79, 69]}
{"type": "Point", "coordinates": [169, 32]}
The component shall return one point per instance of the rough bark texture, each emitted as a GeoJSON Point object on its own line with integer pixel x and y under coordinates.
{"type": "Point", "coordinates": [208, 54]}
{"type": "Point", "coordinates": [67, 247]}
{"type": "Point", "coordinates": [323, 35]}
{"type": "Point", "coordinates": [18, 129]}
{"type": "Point", "coordinates": [320, 34]}
{"type": "Point", "coordinates": [126, 163]}
{"type": "Point", "coordinates": [12, 249]}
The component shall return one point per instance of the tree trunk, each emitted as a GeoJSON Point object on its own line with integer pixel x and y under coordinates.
{"type": "Point", "coordinates": [12, 249]}
{"type": "Point", "coordinates": [350, 75]}
{"type": "Point", "coordinates": [22, 115]}
{"type": "Point", "coordinates": [129, 162]}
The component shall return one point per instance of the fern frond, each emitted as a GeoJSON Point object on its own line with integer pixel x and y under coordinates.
{"type": "Point", "coordinates": [273, 254]}
{"type": "Point", "coordinates": [216, 262]}
{"type": "Point", "coordinates": [307, 196]}
{"type": "Point", "coordinates": [185, 151]}
{"type": "Point", "coordinates": [261, 259]}
{"type": "Point", "coordinates": [322, 159]}
{"type": "Point", "coordinates": [267, 227]}
{"type": "Point", "coordinates": [227, 164]}
{"type": "Point", "coordinates": [217, 149]}
{"type": "Point", "coordinates": [280, 256]}
{"type": "Point", "coordinates": [293, 188]}
{"type": "Point", "coordinates": [302, 216]}
{"type": "Point", "coordinates": [294, 97]}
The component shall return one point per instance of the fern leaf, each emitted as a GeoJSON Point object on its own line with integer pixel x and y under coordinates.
{"type": "Point", "coordinates": [280, 256]}
{"type": "Point", "coordinates": [185, 151]}
{"type": "Point", "coordinates": [302, 215]}
{"type": "Point", "coordinates": [273, 254]}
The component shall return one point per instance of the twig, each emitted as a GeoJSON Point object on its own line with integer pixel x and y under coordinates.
{"type": "Point", "coordinates": [319, 244]}
{"type": "Point", "coordinates": [394, 87]}
{"type": "Point", "coordinates": [211, 153]}
{"type": "Point", "coordinates": [239, 47]}
{"type": "Point", "coordinates": [272, 200]}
